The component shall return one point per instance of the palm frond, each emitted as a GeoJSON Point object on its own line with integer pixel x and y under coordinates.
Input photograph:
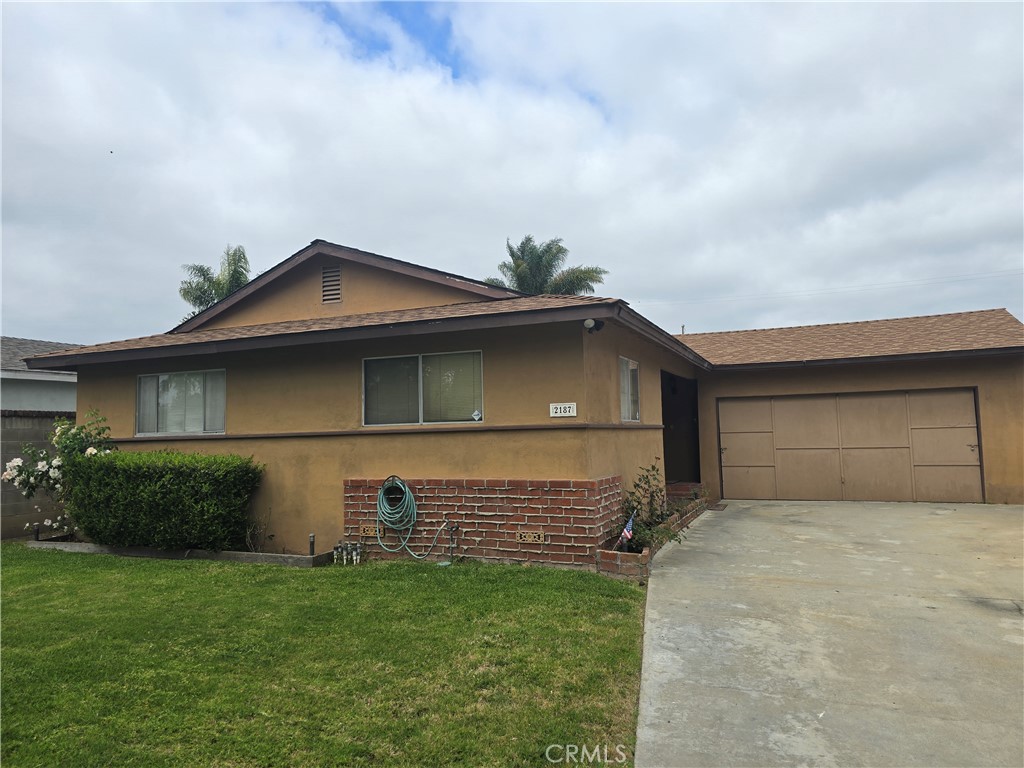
{"type": "Point", "coordinates": [203, 288]}
{"type": "Point", "coordinates": [577, 280]}
{"type": "Point", "coordinates": [535, 269]}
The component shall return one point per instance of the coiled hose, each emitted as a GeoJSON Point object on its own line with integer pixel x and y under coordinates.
{"type": "Point", "coordinates": [399, 516]}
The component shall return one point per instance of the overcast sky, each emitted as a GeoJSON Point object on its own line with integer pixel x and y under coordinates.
{"type": "Point", "coordinates": [732, 166]}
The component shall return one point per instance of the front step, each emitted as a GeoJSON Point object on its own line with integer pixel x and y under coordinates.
{"type": "Point", "coordinates": [681, 490]}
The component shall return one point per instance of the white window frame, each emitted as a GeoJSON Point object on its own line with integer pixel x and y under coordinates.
{"type": "Point", "coordinates": [631, 365]}
{"type": "Point", "coordinates": [138, 384]}
{"type": "Point", "coordinates": [419, 385]}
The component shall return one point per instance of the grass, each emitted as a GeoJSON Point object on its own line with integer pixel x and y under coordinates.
{"type": "Point", "coordinates": [110, 661]}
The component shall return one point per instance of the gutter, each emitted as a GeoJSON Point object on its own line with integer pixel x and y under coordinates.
{"type": "Point", "coordinates": [65, 376]}
{"type": "Point", "coordinates": [956, 354]}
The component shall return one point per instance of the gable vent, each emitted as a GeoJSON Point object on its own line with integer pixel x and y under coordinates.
{"type": "Point", "coordinates": [331, 285]}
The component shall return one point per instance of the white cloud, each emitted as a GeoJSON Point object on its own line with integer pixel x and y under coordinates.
{"type": "Point", "coordinates": [697, 151]}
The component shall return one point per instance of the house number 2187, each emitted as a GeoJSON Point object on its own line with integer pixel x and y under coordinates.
{"type": "Point", "coordinates": [562, 409]}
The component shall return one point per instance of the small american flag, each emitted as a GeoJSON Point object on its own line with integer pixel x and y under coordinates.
{"type": "Point", "coordinates": [627, 532]}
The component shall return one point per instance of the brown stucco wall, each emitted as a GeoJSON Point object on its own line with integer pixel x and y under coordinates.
{"type": "Point", "coordinates": [999, 382]}
{"type": "Point", "coordinates": [276, 397]}
{"type": "Point", "coordinates": [296, 295]}
{"type": "Point", "coordinates": [624, 450]}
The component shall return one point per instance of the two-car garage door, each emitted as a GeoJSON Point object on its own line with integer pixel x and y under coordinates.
{"type": "Point", "coordinates": [880, 446]}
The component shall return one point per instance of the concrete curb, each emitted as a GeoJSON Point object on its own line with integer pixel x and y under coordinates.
{"type": "Point", "coordinates": [263, 558]}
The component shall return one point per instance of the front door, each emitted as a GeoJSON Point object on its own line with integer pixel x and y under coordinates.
{"type": "Point", "coordinates": [679, 417]}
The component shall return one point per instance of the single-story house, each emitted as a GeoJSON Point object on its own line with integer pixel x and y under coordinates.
{"type": "Point", "coordinates": [30, 401]}
{"type": "Point", "coordinates": [522, 418]}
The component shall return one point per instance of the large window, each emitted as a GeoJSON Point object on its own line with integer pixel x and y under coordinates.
{"type": "Point", "coordinates": [423, 389]}
{"type": "Point", "coordinates": [180, 403]}
{"type": "Point", "coordinates": [629, 389]}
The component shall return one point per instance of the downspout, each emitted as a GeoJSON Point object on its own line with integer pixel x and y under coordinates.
{"type": "Point", "coordinates": [585, 357]}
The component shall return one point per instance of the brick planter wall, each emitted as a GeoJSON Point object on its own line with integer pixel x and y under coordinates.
{"type": "Point", "coordinates": [636, 566]}
{"type": "Point", "coordinates": [573, 518]}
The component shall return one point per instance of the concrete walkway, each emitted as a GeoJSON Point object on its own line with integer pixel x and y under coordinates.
{"type": "Point", "coordinates": [837, 634]}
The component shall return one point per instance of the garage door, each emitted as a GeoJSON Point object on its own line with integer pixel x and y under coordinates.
{"type": "Point", "coordinates": [879, 446]}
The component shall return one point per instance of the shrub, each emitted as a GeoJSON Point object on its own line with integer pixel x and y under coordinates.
{"type": "Point", "coordinates": [163, 499]}
{"type": "Point", "coordinates": [648, 507]}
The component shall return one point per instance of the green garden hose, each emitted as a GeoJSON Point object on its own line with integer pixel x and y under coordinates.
{"type": "Point", "coordinates": [399, 516]}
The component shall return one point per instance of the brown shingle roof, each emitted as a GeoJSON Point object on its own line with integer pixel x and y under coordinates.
{"type": "Point", "coordinates": [959, 332]}
{"type": "Point", "coordinates": [380, 320]}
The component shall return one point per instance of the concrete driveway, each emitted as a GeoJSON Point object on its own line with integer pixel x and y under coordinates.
{"type": "Point", "coordinates": [837, 634]}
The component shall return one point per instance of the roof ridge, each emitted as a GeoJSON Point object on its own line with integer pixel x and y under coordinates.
{"type": "Point", "coordinates": [847, 323]}
{"type": "Point", "coordinates": [419, 266]}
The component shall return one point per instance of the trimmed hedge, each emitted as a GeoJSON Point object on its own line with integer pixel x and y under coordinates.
{"type": "Point", "coordinates": [163, 499]}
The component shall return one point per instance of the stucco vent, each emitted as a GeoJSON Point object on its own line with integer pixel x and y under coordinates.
{"type": "Point", "coordinates": [331, 286]}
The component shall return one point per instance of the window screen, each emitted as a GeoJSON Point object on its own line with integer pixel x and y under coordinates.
{"type": "Point", "coordinates": [423, 389]}
{"type": "Point", "coordinates": [391, 391]}
{"type": "Point", "coordinates": [629, 390]}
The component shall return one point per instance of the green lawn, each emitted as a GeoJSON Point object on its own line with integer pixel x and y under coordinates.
{"type": "Point", "coordinates": [111, 661]}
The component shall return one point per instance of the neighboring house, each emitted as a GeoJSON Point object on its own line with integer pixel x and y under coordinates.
{"type": "Point", "coordinates": [29, 403]}
{"type": "Point", "coordinates": [522, 418]}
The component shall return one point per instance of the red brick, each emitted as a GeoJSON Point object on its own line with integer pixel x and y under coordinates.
{"type": "Point", "coordinates": [560, 557]}
{"type": "Point", "coordinates": [559, 483]}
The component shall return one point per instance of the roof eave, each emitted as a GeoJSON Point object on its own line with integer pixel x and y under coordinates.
{"type": "Point", "coordinates": [910, 357]}
{"type": "Point", "coordinates": [301, 338]}
{"type": "Point", "coordinates": [640, 324]}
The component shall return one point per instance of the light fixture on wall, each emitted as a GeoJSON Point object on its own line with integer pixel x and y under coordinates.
{"type": "Point", "coordinates": [593, 325]}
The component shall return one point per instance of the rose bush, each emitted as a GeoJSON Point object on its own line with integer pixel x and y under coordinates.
{"type": "Point", "coordinates": [42, 471]}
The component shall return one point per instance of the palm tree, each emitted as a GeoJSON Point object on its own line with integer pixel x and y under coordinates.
{"type": "Point", "coordinates": [203, 288]}
{"type": "Point", "coordinates": [536, 269]}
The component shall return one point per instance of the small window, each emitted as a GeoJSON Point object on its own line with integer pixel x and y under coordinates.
{"type": "Point", "coordinates": [331, 285]}
{"type": "Point", "coordinates": [181, 403]}
{"type": "Point", "coordinates": [423, 389]}
{"type": "Point", "coordinates": [629, 389]}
